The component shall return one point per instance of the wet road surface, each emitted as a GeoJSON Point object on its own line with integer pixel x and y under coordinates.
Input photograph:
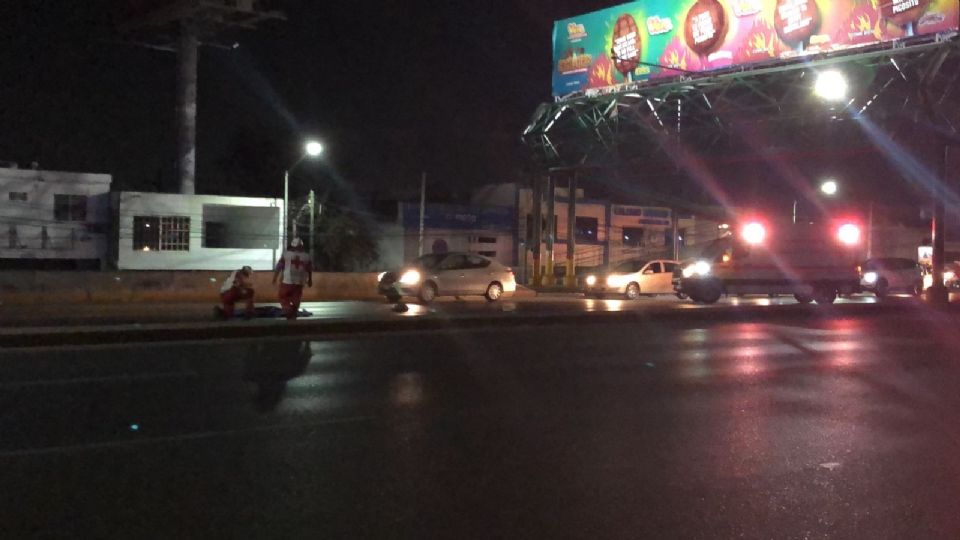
{"type": "Point", "coordinates": [823, 428]}
{"type": "Point", "coordinates": [15, 317]}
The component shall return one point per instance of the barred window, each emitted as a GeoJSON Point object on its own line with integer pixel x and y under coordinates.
{"type": "Point", "coordinates": [152, 233]}
{"type": "Point", "coordinates": [174, 234]}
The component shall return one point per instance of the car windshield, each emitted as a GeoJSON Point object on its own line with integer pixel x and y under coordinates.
{"type": "Point", "coordinates": [431, 261]}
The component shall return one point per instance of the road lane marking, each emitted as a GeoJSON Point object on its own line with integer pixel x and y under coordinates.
{"type": "Point", "coordinates": [187, 437]}
{"type": "Point", "coordinates": [97, 380]}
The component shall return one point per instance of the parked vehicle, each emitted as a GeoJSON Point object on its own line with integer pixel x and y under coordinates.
{"type": "Point", "coordinates": [449, 274]}
{"type": "Point", "coordinates": [886, 275]}
{"type": "Point", "coordinates": [812, 262]}
{"type": "Point", "coordinates": [951, 275]}
{"type": "Point", "coordinates": [633, 278]}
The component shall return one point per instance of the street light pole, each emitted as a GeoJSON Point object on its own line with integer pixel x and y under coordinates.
{"type": "Point", "coordinates": [310, 149]}
{"type": "Point", "coordinates": [286, 206]}
{"type": "Point", "coordinates": [311, 202]}
{"type": "Point", "coordinates": [423, 208]}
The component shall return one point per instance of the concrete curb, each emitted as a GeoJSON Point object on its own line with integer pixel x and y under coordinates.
{"type": "Point", "coordinates": [333, 329]}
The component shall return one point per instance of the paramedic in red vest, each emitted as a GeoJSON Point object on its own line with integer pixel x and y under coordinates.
{"type": "Point", "coordinates": [238, 287]}
{"type": "Point", "coordinates": [297, 270]}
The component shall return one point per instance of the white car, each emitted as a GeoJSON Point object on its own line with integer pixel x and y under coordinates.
{"type": "Point", "coordinates": [449, 274]}
{"type": "Point", "coordinates": [633, 278]}
{"type": "Point", "coordinates": [882, 276]}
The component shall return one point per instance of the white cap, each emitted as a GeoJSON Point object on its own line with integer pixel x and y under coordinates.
{"type": "Point", "coordinates": [296, 242]}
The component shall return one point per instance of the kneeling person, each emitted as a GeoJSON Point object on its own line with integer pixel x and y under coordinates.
{"type": "Point", "coordinates": [237, 287]}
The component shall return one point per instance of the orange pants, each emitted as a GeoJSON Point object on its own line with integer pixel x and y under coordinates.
{"type": "Point", "coordinates": [230, 298]}
{"type": "Point", "coordinates": [290, 296]}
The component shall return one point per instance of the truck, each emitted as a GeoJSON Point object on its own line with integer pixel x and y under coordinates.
{"type": "Point", "coordinates": [814, 262]}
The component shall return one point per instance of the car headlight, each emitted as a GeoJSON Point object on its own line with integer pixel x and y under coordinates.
{"type": "Point", "coordinates": [948, 275]}
{"type": "Point", "coordinates": [410, 277]}
{"type": "Point", "coordinates": [591, 281]}
{"type": "Point", "coordinates": [615, 281]}
{"type": "Point", "coordinates": [699, 268]}
{"type": "Point", "coordinates": [870, 277]}
{"type": "Point", "coordinates": [380, 276]}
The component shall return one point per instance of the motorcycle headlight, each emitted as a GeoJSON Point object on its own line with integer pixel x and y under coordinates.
{"type": "Point", "coordinates": [870, 277]}
{"type": "Point", "coordinates": [591, 281]}
{"type": "Point", "coordinates": [410, 277]}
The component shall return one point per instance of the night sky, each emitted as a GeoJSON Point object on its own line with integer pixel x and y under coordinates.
{"type": "Point", "coordinates": [392, 88]}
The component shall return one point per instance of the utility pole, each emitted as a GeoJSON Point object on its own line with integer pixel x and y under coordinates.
{"type": "Point", "coordinates": [676, 235]}
{"type": "Point", "coordinates": [870, 232]}
{"type": "Point", "coordinates": [572, 232]}
{"type": "Point", "coordinates": [311, 202]}
{"type": "Point", "coordinates": [937, 294]}
{"type": "Point", "coordinates": [286, 208]}
{"type": "Point", "coordinates": [187, 60]}
{"type": "Point", "coordinates": [423, 211]}
{"type": "Point", "coordinates": [536, 211]}
{"type": "Point", "coordinates": [181, 28]}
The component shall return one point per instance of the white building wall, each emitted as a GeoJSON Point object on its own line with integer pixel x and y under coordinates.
{"type": "Point", "coordinates": [29, 229]}
{"type": "Point", "coordinates": [268, 235]}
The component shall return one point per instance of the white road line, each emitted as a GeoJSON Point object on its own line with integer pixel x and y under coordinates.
{"type": "Point", "coordinates": [95, 380]}
{"type": "Point", "coordinates": [133, 443]}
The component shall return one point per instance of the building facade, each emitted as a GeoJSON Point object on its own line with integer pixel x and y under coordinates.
{"type": "Point", "coordinates": [53, 220]}
{"type": "Point", "coordinates": [166, 231]}
{"type": "Point", "coordinates": [486, 230]}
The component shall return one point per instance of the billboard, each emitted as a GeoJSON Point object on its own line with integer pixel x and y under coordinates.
{"type": "Point", "coordinates": [651, 39]}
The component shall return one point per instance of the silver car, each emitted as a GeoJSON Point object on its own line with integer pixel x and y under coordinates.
{"type": "Point", "coordinates": [449, 274]}
{"type": "Point", "coordinates": [885, 275]}
{"type": "Point", "coordinates": [633, 278]}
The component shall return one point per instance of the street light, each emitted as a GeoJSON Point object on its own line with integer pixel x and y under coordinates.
{"type": "Point", "coordinates": [831, 86]}
{"type": "Point", "coordinates": [829, 188]}
{"type": "Point", "coordinates": [312, 149]}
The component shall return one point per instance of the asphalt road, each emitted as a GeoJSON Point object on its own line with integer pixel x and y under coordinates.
{"type": "Point", "coordinates": [815, 428]}
{"type": "Point", "coordinates": [114, 314]}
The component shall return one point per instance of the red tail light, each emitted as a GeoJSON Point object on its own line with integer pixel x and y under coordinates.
{"type": "Point", "coordinates": [849, 234]}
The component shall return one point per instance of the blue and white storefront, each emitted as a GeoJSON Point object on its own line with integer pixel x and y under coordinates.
{"type": "Point", "coordinates": [488, 230]}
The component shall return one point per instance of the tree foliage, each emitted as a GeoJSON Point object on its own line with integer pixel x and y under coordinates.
{"type": "Point", "coordinates": [346, 239]}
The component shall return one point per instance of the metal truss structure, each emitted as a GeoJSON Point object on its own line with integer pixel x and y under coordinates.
{"type": "Point", "coordinates": [714, 113]}
{"type": "Point", "coordinates": [900, 87]}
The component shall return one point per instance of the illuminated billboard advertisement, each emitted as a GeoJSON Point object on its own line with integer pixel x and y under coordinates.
{"type": "Point", "coordinates": [652, 39]}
